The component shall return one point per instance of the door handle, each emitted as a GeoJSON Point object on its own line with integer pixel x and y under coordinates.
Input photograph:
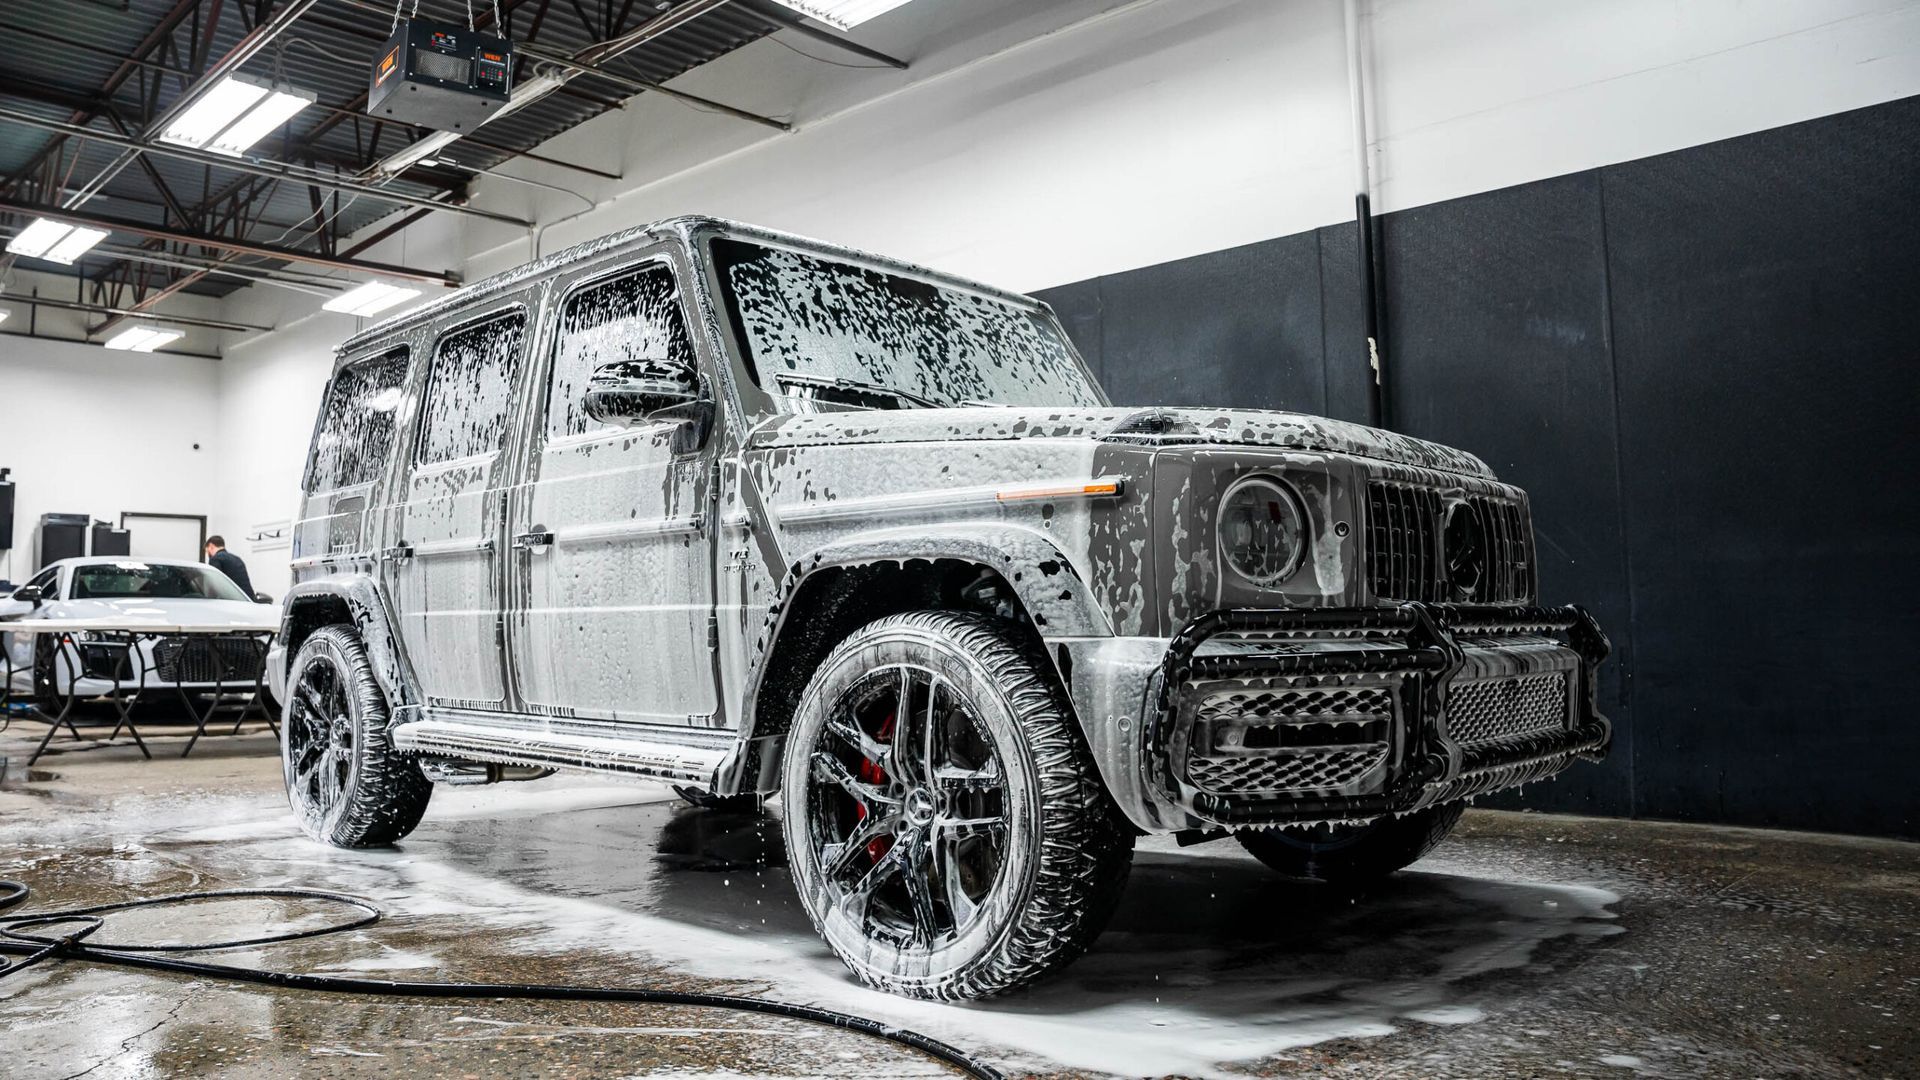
{"type": "Point", "coordinates": [533, 541]}
{"type": "Point", "coordinates": [399, 552]}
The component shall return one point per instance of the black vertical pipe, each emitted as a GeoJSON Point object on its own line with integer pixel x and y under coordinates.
{"type": "Point", "coordinates": [1370, 312]}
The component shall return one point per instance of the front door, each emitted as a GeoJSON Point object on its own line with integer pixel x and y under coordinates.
{"type": "Point", "coordinates": [444, 564]}
{"type": "Point", "coordinates": [612, 566]}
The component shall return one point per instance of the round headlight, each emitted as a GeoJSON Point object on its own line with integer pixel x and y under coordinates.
{"type": "Point", "coordinates": [1263, 531]}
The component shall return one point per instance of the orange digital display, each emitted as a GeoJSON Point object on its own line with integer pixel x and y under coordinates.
{"type": "Point", "coordinates": [387, 63]}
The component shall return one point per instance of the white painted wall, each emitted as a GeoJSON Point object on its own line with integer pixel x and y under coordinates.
{"type": "Point", "coordinates": [1035, 144]}
{"type": "Point", "coordinates": [90, 431]}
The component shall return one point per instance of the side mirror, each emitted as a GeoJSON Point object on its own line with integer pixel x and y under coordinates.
{"type": "Point", "coordinates": [627, 392]}
{"type": "Point", "coordinates": [29, 594]}
{"type": "Point", "coordinates": [262, 598]}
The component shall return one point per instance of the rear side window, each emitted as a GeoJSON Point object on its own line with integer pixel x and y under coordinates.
{"type": "Point", "coordinates": [356, 425]}
{"type": "Point", "coordinates": [628, 317]}
{"type": "Point", "coordinates": [470, 388]}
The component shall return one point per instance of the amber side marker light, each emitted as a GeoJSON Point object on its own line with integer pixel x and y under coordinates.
{"type": "Point", "coordinates": [1099, 489]}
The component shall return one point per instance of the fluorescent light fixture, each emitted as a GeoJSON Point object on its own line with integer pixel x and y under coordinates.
{"type": "Point", "coordinates": [78, 241]}
{"type": "Point", "coordinates": [418, 152]}
{"type": "Point", "coordinates": [529, 92]}
{"type": "Point", "coordinates": [143, 338]}
{"type": "Point", "coordinates": [3, 314]}
{"type": "Point", "coordinates": [55, 241]}
{"type": "Point", "coordinates": [408, 156]}
{"type": "Point", "coordinates": [845, 14]}
{"type": "Point", "coordinates": [234, 114]}
{"type": "Point", "coordinates": [370, 299]}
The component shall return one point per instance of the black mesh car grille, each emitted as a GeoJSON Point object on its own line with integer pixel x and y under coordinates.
{"type": "Point", "coordinates": [193, 660]}
{"type": "Point", "coordinates": [1495, 711]}
{"type": "Point", "coordinates": [1289, 738]}
{"type": "Point", "coordinates": [1318, 770]}
{"type": "Point", "coordinates": [1407, 547]}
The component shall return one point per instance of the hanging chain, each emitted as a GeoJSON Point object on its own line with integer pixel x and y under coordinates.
{"type": "Point", "coordinates": [470, 25]}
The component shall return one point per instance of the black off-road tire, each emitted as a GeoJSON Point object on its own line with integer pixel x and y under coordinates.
{"type": "Point", "coordinates": [377, 794]}
{"type": "Point", "coordinates": [1074, 847]}
{"type": "Point", "coordinates": [1356, 855]}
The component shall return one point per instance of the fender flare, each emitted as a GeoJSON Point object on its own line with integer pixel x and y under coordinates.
{"type": "Point", "coordinates": [367, 609]}
{"type": "Point", "coordinates": [1048, 584]}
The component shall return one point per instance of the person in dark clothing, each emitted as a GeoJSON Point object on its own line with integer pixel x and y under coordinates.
{"type": "Point", "coordinates": [229, 564]}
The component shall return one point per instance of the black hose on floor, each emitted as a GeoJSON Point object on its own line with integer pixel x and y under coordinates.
{"type": "Point", "coordinates": [33, 948]}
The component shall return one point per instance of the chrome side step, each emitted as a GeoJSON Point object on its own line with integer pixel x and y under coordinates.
{"type": "Point", "coordinates": [686, 755]}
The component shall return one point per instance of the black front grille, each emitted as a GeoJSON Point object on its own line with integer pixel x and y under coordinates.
{"type": "Point", "coordinates": [1407, 556]}
{"type": "Point", "coordinates": [204, 660]}
{"type": "Point", "coordinates": [1495, 711]}
{"type": "Point", "coordinates": [1291, 736]}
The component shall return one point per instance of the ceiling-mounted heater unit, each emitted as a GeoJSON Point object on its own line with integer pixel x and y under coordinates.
{"type": "Point", "coordinates": [441, 76]}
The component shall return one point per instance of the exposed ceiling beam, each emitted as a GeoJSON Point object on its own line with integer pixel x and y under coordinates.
{"type": "Point", "coordinates": [586, 61]}
{"type": "Point", "coordinates": [631, 83]}
{"type": "Point", "coordinates": [225, 243]}
{"type": "Point", "coordinates": [246, 165]}
{"type": "Point", "coordinates": [37, 93]}
{"type": "Point", "coordinates": [96, 345]}
{"type": "Point", "coordinates": [102, 309]}
{"type": "Point", "coordinates": [248, 47]}
{"type": "Point", "coordinates": [161, 32]}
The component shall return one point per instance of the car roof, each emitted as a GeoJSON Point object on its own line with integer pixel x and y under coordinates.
{"type": "Point", "coordinates": [685, 227]}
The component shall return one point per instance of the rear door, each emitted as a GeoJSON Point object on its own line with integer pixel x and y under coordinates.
{"type": "Point", "coordinates": [613, 561]}
{"type": "Point", "coordinates": [443, 565]}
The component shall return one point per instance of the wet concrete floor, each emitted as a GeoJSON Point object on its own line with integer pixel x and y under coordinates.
{"type": "Point", "coordinates": [1527, 945]}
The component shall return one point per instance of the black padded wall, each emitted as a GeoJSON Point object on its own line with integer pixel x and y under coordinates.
{"type": "Point", "coordinates": [1702, 366]}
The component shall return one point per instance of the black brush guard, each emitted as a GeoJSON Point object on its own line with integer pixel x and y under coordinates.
{"type": "Point", "coordinates": [1421, 644]}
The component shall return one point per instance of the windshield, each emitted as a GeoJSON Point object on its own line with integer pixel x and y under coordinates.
{"type": "Point", "coordinates": [152, 581]}
{"type": "Point", "coordinates": [816, 328]}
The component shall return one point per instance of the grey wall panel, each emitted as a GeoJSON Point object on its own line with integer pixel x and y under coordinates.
{"type": "Point", "coordinates": [1496, 341]}
{"type": "Point", "coordinates": [1766, 296]}
{"type": "Point", "coordinates": [1242, 324]}
{"type": "Point", "coordinates": [1704, 367]}
{"type": "Point", "coordinates": [1078, 307]}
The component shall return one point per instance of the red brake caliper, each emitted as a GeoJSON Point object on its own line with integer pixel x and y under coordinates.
{"type": "Point", "coordinates": [870, 772]}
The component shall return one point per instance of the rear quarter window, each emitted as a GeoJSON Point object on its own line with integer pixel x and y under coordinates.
{"type": "Point", "coordinates": [357, 423]}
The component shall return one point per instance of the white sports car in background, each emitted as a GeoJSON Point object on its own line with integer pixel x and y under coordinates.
{"type": "Point", "coordinates": [132, 594]}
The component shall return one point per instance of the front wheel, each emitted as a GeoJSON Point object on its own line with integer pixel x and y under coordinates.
{"type": "Point", "coordinates": [945, 825]}
{"type": "Point", "coordinates": [1353, 854]}
{"type": "Point", "coordinates": [347, 784]}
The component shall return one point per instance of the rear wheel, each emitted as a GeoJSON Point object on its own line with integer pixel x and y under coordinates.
{"type": "Point", "coordinates": [347, 785]}
{"type": "Point", "coordinates": [945, 826]}
{"type": "Point", "coordinates": [1353, 854]}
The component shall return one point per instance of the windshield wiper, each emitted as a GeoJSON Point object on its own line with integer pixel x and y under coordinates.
{"type": "Point", "coordinates": [857, 385]}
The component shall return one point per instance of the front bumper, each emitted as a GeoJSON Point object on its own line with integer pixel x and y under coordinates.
{"type": "Point", "coordinates": [1268, 717]}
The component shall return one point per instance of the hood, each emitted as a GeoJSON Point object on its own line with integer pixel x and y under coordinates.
{"type": "Point", "coordinates": [183, 612]}
{"type": "Point", "coordinates": [1157, 426]}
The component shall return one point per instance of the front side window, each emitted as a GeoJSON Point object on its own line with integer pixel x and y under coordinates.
{"type": "Point", "coordinates": [470, 389]}
{"type": "Point", "coordinates": [356, 423]}
{"type": "Point", "coordinates": [155, 581]}
{"type": "Point", "coordinates": [630, 317]}
{"type": "Point", "coordinates": [825, 328]}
